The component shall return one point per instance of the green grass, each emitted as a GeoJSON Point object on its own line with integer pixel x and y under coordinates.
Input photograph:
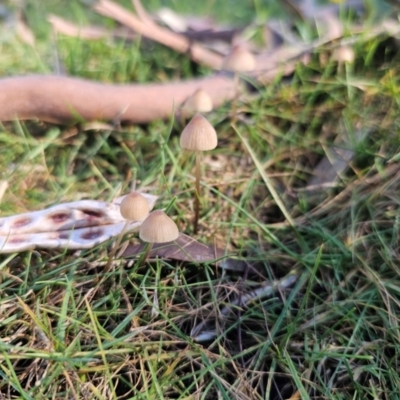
{"type": "Point", "coordinates": [69, 331]}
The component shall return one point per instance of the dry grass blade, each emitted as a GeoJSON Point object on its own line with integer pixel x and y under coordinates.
{"type": "Point", "coordinates": [206, 330]}
{"type": "Point", "coordinates": [266, 179]}
{"type": "Point", "coordinates": [336, 161]}
{"type": "Point", "coordinates": [367, 183]}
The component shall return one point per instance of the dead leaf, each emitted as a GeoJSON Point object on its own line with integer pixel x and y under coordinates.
{"type": "Point", "coordinates": [185, 248]}
{"type": "Point", "coordinates": [336, 161]}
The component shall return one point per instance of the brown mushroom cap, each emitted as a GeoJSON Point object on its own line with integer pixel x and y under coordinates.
{"type": "Point", "coordinates": [158, 228]}
{"type": "Point", "coordinates": [134, 207]}
{"type": "Point", "coordinates": [199, 135]}
{"type": "Point", "coordinates": [199, 101]}
{"type": "Point", "coordinates": [239, 60]}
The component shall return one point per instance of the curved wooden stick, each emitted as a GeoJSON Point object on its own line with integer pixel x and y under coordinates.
{"type": "Point", "coordinates": [62, 99]}
{"type": "Point", "coordinates": [150, 30]}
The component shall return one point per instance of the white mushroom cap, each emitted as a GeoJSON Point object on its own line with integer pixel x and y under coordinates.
{"type": "Point", "coordinates": [344, 54]}
{"type": "Point", "coordinates": [199, 101]}
{"type": "Point", "coordinates": [239, 60]}
{"type": "Point", "coordinates": [134, 207]}
{"type": "Point", "coordinates": [199, 135]}
{"type": "Point", "coordinates": [158, 228]}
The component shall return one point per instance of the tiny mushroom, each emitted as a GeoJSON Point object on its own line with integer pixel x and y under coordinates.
{"type": "Point", "coordinates": [198, 135]}
{"type": "Point", "coordinates": [199, 101]}
{"type": "Point", "coordinates": [344, 55]}
{"type": "Point", "coordinates": [133, 207]}
{"type": "Point", "coordinates": [157, 228]}
{"type": "Point", "coordinates": [238, 60]}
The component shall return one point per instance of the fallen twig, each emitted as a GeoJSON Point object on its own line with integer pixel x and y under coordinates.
{"type": "Point", "coordinates": [67, 28]}
{"type": "Point", "coordinates": [62, 99]}
{"type": "Point", "coordinates": [152, 31]}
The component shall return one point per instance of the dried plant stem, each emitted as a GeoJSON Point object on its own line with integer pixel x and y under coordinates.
{"type": "Point", "coordinates": [197, 193]}
{"type": "Point", "coordinates": [116, 247]}
{"type": "Point", "coordinates": [235, 97]}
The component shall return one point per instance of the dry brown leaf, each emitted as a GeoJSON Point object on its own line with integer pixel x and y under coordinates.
{"type": "Point", "coordinates": [185, 248]}
{"type": "Point", "coordinates": [336, 161]}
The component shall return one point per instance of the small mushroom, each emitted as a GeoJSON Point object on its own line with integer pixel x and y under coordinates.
{"type": "Point", "coordinates": [343, 55]}
{"type": "Point", "coordinates": [199, 135]}
{"type": "Point", "coordinates": [199, 102]}
{"type": "Point", "coordinates": [238, 60]}
{"type": "Point", "coordinates": [157, 228]}
{"type": "Point", "coordinates": [134, 207]}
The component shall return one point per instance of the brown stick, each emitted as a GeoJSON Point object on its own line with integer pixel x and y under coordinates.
{"type": "Point", "coordinates": [63, 99]}
{"type": "Point", "coordinates": [65, 27]}
{"type": "Point", "coordinates": [154, 32]}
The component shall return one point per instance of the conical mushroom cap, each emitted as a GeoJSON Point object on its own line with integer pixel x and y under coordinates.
{"type": "Point", "coordinates": [158, 228]}
{"type": "Point", "coordinates": [344, 54]}
{"type": "Point", "coordinates": [199, 101]}
{"type": "Point", "coordinates": [134, 207]}
{"type": "Point", "coordinates": [199, 135]}
{"type": "Point", "coordinates": [239, 60]}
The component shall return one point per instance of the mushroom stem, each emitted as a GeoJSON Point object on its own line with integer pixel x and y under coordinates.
{"type": "Point", "coordinates": [235, 97]}
{"type": "Point", "coordinates": [197, 194]}
{"type": "Point", "coordinates": [146, 254]}
{"type": "Point", "coordinates": [116, 247]}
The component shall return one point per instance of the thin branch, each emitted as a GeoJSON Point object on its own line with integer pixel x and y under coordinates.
{"type": "Point", "coordinates": [63, 99]}
{"type": "Point", "coordinates": [161, 35]}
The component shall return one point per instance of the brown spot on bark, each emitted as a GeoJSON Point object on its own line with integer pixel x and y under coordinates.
{"type": "Point", "coordinates": [22, 222]}
{"type": "Point", "coordinates": [92, 234]}
{"type": "Point", "coordinates": [59, 217]}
